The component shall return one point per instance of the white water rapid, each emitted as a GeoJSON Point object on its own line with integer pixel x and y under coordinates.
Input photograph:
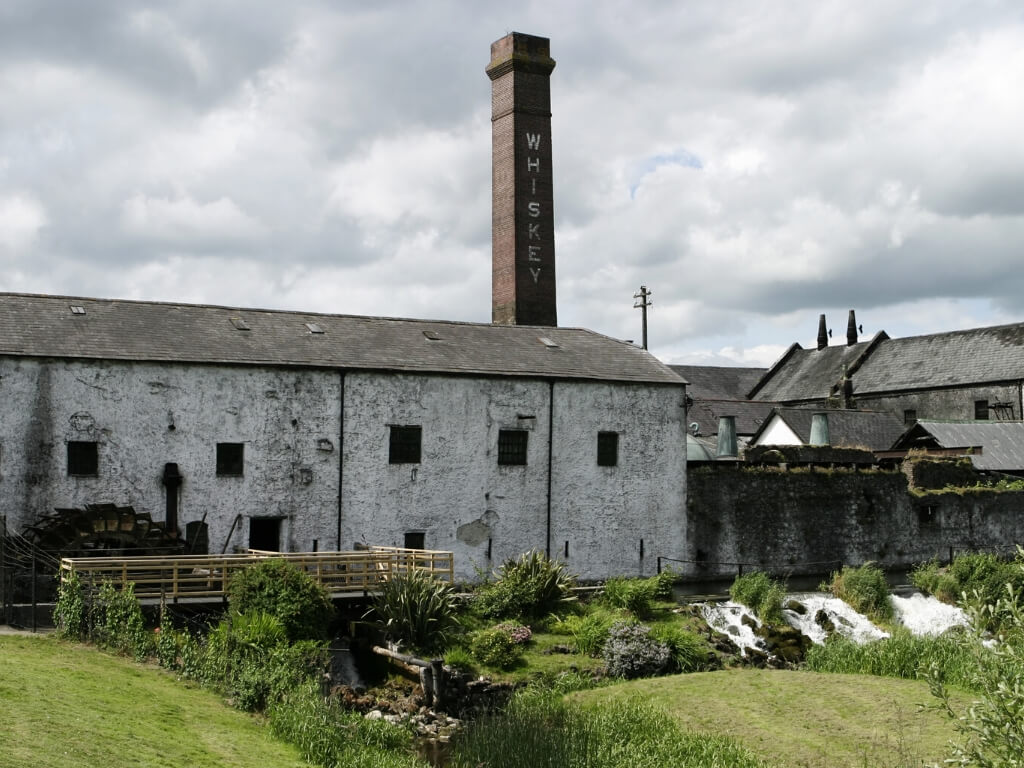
{"type": "Point", "coordinates": [823, 614]}
{"type": "Point", "coordinates": [924, 615]}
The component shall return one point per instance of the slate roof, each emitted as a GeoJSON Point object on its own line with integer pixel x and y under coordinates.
{"type": "Point", "coordinates": [749, 414]}
{"type": "Point", "coordinates": [875, 430]}
{"type": "Point", "coordinates": [809, 374]}
{"type": "Point", "coordinates": [1001, 442]}
{"type": "Point", "coordinates": [719, 382]}
{"type": "Point", "coordinates": [110, 329]}
{"type": "Point", "coordinates": [956, 358]}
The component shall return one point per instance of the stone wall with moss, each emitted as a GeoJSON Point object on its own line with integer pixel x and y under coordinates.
{"type": "Point", "coordinates": [808, 521]}
{"type": "Point", "coordinates": [937, 473]}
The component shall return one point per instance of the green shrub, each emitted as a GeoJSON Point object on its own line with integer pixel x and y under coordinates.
{"type": "Point", "coordinates": [631, 651]}
{"type": "Point", "coordinates": [687, 651]}
{"type": "Point", "coordinates": [761, 594]}
{"type": "Point", "coordinates": [992, 728]}
{"type": "Point", "coordinates": [249, 659]}
{"type": "Point", "coordinates": [635, 595]}
{"type": "Point", "coordinates": [530, 587]}
{"type": "Point", "coordinates": [865, 590]}
{"type": "Point", "coordinates": [117, 622]}
{"type": "Point", "coordinates": [193, 657]}
{"type": "Point", "coordinates": [495, 648]}
{"type": "Point", "coordinates": [69, 610]}
{"type": "Point", "coordinates": [168, 644]}
{"type": "Point", "coordinates": [277, 588]}
{"type": "Point", "coordinates": [417, 610]}
{"type": "Point", "coordinates": [665, 581]}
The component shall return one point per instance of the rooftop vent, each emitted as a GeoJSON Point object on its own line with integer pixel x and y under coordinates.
{"type": "Point", "coordinates": [314, 327]}
{"type": "Point", "coordinates": [546, 341]}
{"type": "Point", "coordinates": [77, 309]}
{"type": "Point", "coordinates": [432, 335]}
{"type": "Point", "coordinates": [240, 324]}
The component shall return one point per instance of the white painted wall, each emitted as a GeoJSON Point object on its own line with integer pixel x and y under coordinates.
{"type": "Point", "coordinates": [604, 512]}
{"type": "Point", "coordinates": [128, 408]}
{"type": "Point", "coordinates": [778, 433]}
{"type": "Point", "coordinates": [290, 422]}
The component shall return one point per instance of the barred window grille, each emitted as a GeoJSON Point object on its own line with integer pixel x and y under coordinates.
{"type": "Point", "coordinates": [404, 445]}
{"type": "Point", "coordinates": [512, 446]}
{"type": "Point", "coordinates": [607, 449]}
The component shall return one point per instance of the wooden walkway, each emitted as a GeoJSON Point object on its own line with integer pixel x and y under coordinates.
{"type": "Point", "coordinates": [204, 578]}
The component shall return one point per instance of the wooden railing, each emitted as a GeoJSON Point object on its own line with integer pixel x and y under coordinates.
{"type": "Point", "coordinates": [206, 576]}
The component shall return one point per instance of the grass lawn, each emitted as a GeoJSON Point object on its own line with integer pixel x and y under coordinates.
{"type": "Point", "coordinates": [70, 706]}
{"type": "Point", "coordinates": [803, 718]}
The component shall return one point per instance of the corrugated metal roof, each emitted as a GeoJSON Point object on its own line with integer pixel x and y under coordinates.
{"type": "Point", "coordinates": [111, 329]}
{"type": "Point", "coordinates": [1001, 442]}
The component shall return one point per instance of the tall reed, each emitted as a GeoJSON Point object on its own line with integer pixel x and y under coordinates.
{"type": "Point", "coordinates": [541, 730]}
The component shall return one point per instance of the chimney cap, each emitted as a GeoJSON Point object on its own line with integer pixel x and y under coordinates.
{"type": "Point", "coordinates": [520, 52]}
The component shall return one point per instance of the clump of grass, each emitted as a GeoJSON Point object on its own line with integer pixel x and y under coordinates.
{"type": "Point", "coordinates": [541, 730]}
{"type": "Point", "coordinates": [327, 735]}
{"type": "Point", "coordinates": [635, 595]}
{"type": "Point", "coordinates": [864, 589]}
{"type": "Point", "coordinates": [589, 631]}
{"type": "Point", "coordinates": [902, 655]}
{"type": "Point", "coordinates": [933, 579]}
{"type": "Point", "coordinates": [761, 594]}
{"type": "Point", "coordinates": [687, 650]}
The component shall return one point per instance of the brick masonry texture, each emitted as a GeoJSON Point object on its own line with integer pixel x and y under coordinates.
{"type": "Point", "coordinates": [523, 243]}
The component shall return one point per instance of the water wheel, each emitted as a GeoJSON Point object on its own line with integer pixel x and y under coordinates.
{"type": "Point", "coordinates": [103, 530]}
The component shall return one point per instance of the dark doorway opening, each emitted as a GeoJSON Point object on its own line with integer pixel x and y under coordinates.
{"type": "Point", "coordinates": [265, 533]}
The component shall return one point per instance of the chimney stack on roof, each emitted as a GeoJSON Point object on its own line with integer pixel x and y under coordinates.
{"type": "Point", "coordinates": [851, 329]}
{"type": "Point", "coordinates": [522, 202]}
{"type": "Point", "coordinates": [822, 333]}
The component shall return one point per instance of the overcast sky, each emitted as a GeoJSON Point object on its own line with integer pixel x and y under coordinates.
{"type": "Point", "coordinates": [753, 163]}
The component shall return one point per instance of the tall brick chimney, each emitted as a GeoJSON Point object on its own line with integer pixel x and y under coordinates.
{"type": "Point", "coordinates": [522, 204]}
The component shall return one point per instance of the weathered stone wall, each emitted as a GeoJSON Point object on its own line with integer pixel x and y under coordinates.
{"type": "Point", "coordinates": [936, 474]}
{"type": "Point", "coordinates": [802, 522]}
{"type": "Point", "coordinates": [464, 501]}
{"type": "Point", "coordinates": [143, 415]}
{"type": "Point", "coordinates": [316, 458]}
{"type": "Point", "coordinates": [618, 519]}
{"type": "Point", "coordinates": [953, 403]}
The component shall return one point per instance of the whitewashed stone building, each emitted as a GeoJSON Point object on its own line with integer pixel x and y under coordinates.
{"type": "Point", "coordinates": [305, 431]}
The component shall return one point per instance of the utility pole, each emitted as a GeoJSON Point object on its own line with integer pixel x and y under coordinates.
{"type": "Point", "coordinates": [643, 302]}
